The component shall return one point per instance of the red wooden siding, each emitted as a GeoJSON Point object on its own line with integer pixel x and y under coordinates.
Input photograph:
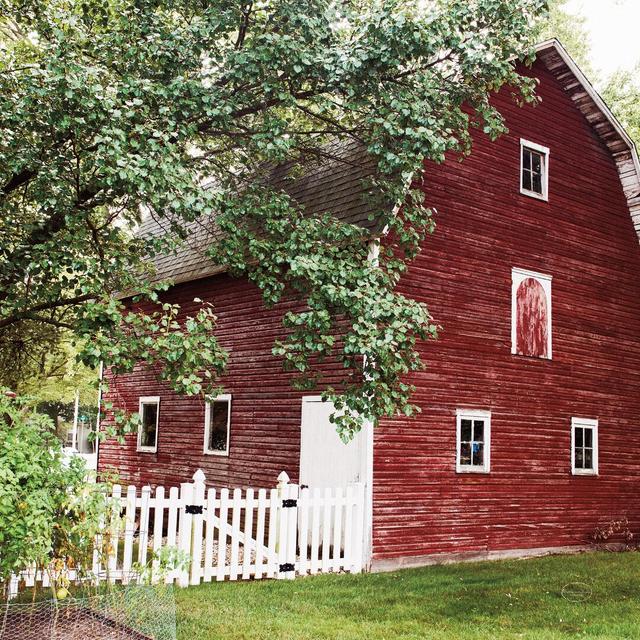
{"type": "Point", "coordinates": [265, 411]}
{"type": "Point", "coordinates": [583, 237]}
{"type": "Point", "coordinates": [531, 319]}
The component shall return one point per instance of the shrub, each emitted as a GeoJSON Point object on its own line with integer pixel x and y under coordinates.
{"type": "Point", "coordinates": [50, 511]}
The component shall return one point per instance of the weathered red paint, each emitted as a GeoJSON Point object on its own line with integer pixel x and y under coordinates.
{"type": "Point", "coordinates": [531, 319]}
{"type": "Point", "coordinates": [583, 237]}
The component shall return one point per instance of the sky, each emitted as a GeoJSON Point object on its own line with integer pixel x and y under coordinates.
{"type": "Point", "coordinates": [614, 27]}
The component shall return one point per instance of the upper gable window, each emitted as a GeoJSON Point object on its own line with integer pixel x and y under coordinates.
{"type": "Point", "coordinates": [530, 313]}
{"type": "Point", "coordinates": [534, 170]}
{"type": "Point", "coordinates": [149, 411]}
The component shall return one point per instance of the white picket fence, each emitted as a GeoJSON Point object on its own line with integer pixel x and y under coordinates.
{"type": "Point", "coordinates": [234, 534]}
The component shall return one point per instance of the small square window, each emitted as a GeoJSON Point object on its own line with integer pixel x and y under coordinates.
{"type": "Point", "coordinates": [217, 423]}
{"type": "Point", "coordinates": [149, 411]}
{"type": "Point", "coordinates": [584, 446]}
{"type": "Point", "coordinates": [473, 441]}
{"type": "Point", "coordinates": [534, 170]}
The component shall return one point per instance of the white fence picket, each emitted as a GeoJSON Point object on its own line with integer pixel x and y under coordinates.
{"type": "Point", "coordinates": [236, 509]}
{"type": "Point", "coordinates": [172, 527]}
{"type": "Point", "coordinates": [326, 529]}
{"type": "Point", "coordinates": [261, 517]}
{"type": "Point", "coordinates": [292, 530]}
{"type": "Point", "coordinates": [143, 535]}
{"type": "Point", "coordinates": [358, 535]}
{"type": "Point", "coordinates": [303, 538]}
{"type": "Point", "coordinates": [247, 547]}
{"type": "Point", "coordinates": [197, 527]}
{"type": "Point", "coordinates": [337, 530]}
{"type": "Point", "coordinates": [129, 530]}
{"type": "Point", "coordinates": [282, 532]}
{"type": "Point", "coordinates": [114, 536]}
{"type": "Point", "coordinates": [209, 531]}
{"type": "Point", "coordinates": [158, 523]}
{"type": "Point", "coordinates": [316, 500]}
{"type": "Point", "coordinates": [348, 527]}
{"type": "Point", "coordinates": [185, 522]}
{"type": "Point", "coordinates": [272, 545]}
{"type": "Point", "coordinates": [222, 534]}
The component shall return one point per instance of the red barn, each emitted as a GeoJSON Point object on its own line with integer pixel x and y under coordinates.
{"type": "Point", "coordinates": [531, 398]}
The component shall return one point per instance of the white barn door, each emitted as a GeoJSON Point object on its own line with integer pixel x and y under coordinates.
{"type": "Point", "coordinates": [326, 461]}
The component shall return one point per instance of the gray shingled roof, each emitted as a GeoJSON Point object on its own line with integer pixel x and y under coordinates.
{"type": "Point", "coordinates": [336, 184]}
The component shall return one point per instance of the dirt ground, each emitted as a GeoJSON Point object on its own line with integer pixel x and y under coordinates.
{"type": "Point", "coordinates": [70, 623]}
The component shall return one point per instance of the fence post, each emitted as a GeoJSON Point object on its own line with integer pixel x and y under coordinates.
{"type": "Point", "coordinates": [198, 517]}
{"type": "Point", "coordinates": [287, 528]}
{"type": "Point", "coordinates": [358, 545]}
{"type": "Point", "coordinates": [184, 530]}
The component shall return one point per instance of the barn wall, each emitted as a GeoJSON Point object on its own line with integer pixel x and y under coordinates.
{"type": "Point", "coordinates": [265, 410]}
{"type": "Point", "coordinates": [584, 238]}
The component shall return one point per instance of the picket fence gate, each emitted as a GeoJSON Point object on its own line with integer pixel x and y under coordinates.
{"type": "Point", "coordinates": [232, 534]}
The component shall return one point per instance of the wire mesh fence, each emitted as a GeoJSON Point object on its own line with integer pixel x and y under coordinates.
{"type": "Point", "coordinates": [132, 612]}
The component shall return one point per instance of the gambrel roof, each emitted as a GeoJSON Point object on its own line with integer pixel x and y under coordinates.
{"type": "Point", "coordinates": [586, 98]}
{"type": "Point", "coordinates": [339, 184]}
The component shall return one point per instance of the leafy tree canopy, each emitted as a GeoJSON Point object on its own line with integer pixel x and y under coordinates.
{"type": "Point", "coordinates": [110, 108]}
{"type": "Point", "coordinates": [571, 29]}
{"type": "Point", "coordinates": [621, 92]}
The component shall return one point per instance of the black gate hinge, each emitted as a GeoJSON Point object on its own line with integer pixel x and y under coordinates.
{"type": "Point", "coordinates": [193, 509]}
{"type": "Point", "coordinates": [290, 502]}
{"type": "Point", "coordinates": [287, 566]}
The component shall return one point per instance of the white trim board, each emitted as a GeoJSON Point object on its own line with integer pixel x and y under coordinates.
{"type": "Point", "coordinates": [586, 423]}
{"type": "Point", "coordinates": [224, 397]}
{"type": "Point", "coordinates": [141, 401]}
{"type": "Point", "coordinates": [518, 275]}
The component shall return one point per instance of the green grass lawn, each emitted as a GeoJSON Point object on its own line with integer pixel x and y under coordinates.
{"type": "Point", "coordinates": [594, 595]}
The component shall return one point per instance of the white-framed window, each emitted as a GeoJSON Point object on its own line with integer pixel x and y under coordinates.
{"type": "Point", "coordinates": [149, 411]}
{"type": "Point", "coordinates": [584, 447]}
{"type": "Point", "coordinates": [217, 425]}
{"type": "Point", "coordinates": [473, 441]}
{"type": "Point", "coordinates": [534, 170]}
{"type": "Point", "coordinates": [531, 313]}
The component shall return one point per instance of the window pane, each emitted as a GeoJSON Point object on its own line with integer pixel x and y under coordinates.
{"type": "Point", "coordinates": [537, 183]}
{"type": "Point", "coordinates": [588, 437]}
{"type": "Point", "coordinates": [588, 458]}
{"type": "Point", "coordinates": [579, 458]}
{"type": "Point", "coordinates": [465, 431]}
{"type": "Point", "coordinates": [478, 454]}
{"type": "Point", "coordinates": [579, 437]}
{"type": "Point", "coordinates": [478, 430]}
{"type": "Point", "coordinates": [536, 162]}
{"type": "Point", "coordinates": [526, 158]}
{"type": "Point", "coordinates": [149, 420]}
{"type": "Point", "coordinates": [465, 453]}
{"type": "Point", "coordinates": [218, 419]}
{"type": "Point", "coordinates": [526, 180]}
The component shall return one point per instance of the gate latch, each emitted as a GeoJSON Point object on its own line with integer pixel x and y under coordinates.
{"type": "Point", "coordinates": [194, 509]}
{"type": "Point", "coordinates": [290, 502]}
{"type": "Point", "coordinates": [287, 566]}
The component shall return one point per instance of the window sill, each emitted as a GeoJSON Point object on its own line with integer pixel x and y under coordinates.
{"type": "Point", "coordinates": [533, 194]}
{"type": "Point", "coordinates": [147, 449]}
{"type": "Point", "coordinates": [471, 470]}
{"type": "Point", "coordinates": [584, 472]}
{"type": "Point", "coordinates": [220, 454]}
{"type": "Point", "coordinates": [524, 355]}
